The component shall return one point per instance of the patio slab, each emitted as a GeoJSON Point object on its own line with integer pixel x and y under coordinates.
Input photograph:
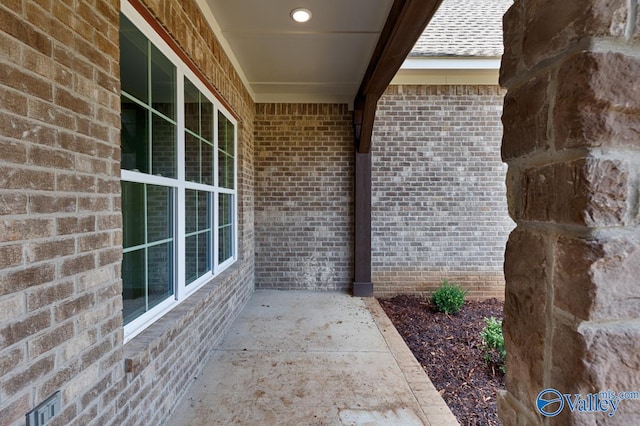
{"type": "Point", "coordinates": [306, 358]}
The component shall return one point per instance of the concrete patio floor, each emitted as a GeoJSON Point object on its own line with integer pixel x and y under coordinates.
{"type": "Point", "coordinates": [306, 358]}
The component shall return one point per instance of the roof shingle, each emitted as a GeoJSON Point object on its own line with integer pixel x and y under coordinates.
{"type": "Point", "coordinates": [464, 28]}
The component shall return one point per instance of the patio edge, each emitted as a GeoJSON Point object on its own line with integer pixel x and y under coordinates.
{"type": "Point", "coordinates": [431, 403]}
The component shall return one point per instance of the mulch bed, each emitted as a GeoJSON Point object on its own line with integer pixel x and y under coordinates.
{"type": "Point", "coordinates": [449, 348]}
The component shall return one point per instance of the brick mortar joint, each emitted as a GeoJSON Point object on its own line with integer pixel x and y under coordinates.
{"type": "Point", "coordinates": [56, 43]}
{"type": "Point", "coordinates": [541, 158]}
{"type": "Point", "coordinates": [38, 124]}
{"type": "Point", "coordinates": [628, 48]}
{"type": "Point", "coordinates": [548, 64]}
{"type": "Point", "coordinates": [586, 45]}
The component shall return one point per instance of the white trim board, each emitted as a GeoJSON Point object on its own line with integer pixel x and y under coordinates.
{"type": "Point", "coordinates": [448, 71]}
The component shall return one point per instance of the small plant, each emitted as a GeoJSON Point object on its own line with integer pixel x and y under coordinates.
{"type": "Point", "coordinates": [448, 298]}
{"type": "Point", "coordinates": [494, 350]}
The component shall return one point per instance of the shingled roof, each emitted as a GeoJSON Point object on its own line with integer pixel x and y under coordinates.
{"type": "Point", "coordinates": [464, 28]}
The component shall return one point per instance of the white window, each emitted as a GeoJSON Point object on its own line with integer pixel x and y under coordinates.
{"type": "Point", "coordinates": [178, 177]}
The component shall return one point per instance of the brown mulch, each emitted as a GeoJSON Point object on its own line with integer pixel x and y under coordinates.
{"type": "Point", "coordinates": [449, 348]}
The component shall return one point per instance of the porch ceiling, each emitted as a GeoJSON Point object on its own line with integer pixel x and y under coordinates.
{"type": "Point", "coordinates": [323, 60]}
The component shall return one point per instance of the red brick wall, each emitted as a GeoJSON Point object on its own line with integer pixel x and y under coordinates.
{"type": "Point", "coordinates": [304, 196]}
{"type": "Point", "coordinates": [60, 222]}
{"type": "Point", "coordinates": [438, 198]}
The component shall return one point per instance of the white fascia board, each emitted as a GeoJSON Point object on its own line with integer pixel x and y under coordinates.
{"type": "Point", "coordinates": [451, 63]}
{"type": "Point", "coordinates": [448, 71]}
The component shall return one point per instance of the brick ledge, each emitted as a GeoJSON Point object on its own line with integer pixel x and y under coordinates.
{"type": "Point", "coordinates": [140, 351]}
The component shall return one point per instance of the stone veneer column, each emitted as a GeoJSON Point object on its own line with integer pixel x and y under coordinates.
{"type": "Point", "coordinates": [572, 266]}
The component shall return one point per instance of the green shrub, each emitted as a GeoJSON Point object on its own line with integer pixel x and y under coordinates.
{"type": "Point", "coordinates": [494, 351]}
{"type": "Point", "coordinates": [448, 298]}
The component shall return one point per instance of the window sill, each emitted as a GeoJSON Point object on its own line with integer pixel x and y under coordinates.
{"type": "Point", "coordinates": [141, 350]}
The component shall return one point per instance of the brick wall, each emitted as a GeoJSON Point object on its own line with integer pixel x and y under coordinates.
{"type": "Point", "coordinates": [60, 229]}
{"type": "Point", "coordinates": [438, 197]}
{"type": "Point", "coordinates": [60, 223]}
{"type": "Point", "coordinates": [304, 196]}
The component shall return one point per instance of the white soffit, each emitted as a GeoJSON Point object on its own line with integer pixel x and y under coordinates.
{"type": "Point", "coordinates": [208, 15]}
{"type": "Point", "coordinates": [323, 60]}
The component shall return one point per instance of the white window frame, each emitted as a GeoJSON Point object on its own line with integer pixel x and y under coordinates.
{"type": "Point", "coordinates": [181, 290]}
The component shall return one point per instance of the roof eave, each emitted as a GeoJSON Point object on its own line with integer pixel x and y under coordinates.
{"type": "Point", "coordinates": [404, 26]}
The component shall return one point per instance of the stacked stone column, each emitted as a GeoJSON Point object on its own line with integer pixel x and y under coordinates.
{"type": "Point", "coordinates": [572, 265]}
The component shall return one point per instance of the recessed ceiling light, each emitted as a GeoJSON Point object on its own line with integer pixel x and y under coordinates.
{"type": "Point", "coordinates": [301, 15]}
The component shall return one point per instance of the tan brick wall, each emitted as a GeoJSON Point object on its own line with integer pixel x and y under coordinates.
{"type": "Point", "coordinates": [60, 223]}
{"type": "Point", "coordinates": [304, 196]}
{"type": "Point", "coordinates": [60, 229]}
{"type": "Point", "coordinates": [438, 197]}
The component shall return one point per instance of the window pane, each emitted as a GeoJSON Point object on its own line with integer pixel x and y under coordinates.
{"type": "Point", "coordinates": [203, 252]}
{"type": "Point", "coordinates": [225, 227]}
{"type": "Point", "coordinates": [204, 212]}
{"type": "Point", "coordinates": [191, 211]}
{"type": "Point", "coordinates": [206, 163]}
{"type": "Point", "coordinates": [133, 61]}
{"type": "Point", "coordinates": [191, 107]}
{"type": "Point", "coordinates": [147, 273]}
{"type": "Point", "coordinates": [198, 241]}
{"type": "Point", "coordinates": [159, 213]}
{"type": "Point", "coordinates": [225, 209]}
{"type": "Point", "coordinates": [199, 144]}
{"type": "Point", "coordinates": [197, 255]}
{"type": "Point", "coordinates": [163, 84]}
{"type": "Point", "coordinates": [132, 214]}
{"type": "Point", "coordinates": [134, 137]}
{"type": "Point", "coordinates": [225, 171]}
{"type": "Point", "coordinates": [133, 285]}
{"type": "Point", "coordinates": [160, 273]}
{"type": "Point", "coordinates": [197, 211]}
{"type": "Point", "coordinates": [206, 119]}
{"type": "Point", "coordinates": [192, 158]}
{"type": "Point", "coordinates": [191, 259]}
{"type": "Point", "coordinates": [230, 169]}
{"type": "Point", "coordinates": [224, 244]}
{"type": "Point", "coordinates": [164, 147]}
{"type": "Point", "coordinates": [226, 134]}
